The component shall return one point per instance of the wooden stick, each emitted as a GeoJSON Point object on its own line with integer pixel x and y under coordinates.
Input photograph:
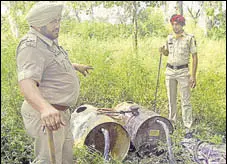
{"type": "Point", "coordinates": [157, 84]}
{"type": "Point", "coordinates": [51, 146]}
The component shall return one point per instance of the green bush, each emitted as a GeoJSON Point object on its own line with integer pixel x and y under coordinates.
{"type": "Point", "coordinates": [218, 32]}
{"type": "Point", "coordinates": [151, 23]}
{"type": "Point", "coordinates": [95, 30]}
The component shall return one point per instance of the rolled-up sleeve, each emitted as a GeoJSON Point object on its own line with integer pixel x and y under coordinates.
{"type": "Point", "coordinates": [30, 64]}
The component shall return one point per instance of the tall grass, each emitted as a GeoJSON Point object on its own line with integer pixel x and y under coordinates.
{"type": "Point", "coordinates": [119, 75]}
{"type": "Point", "coordinates": [16, 146]}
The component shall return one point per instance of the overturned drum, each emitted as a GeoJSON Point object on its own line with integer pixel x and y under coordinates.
{"type": "Point", "coordinates": [95, 130]}
{"type": "Point", "coordinates": [144, 126]}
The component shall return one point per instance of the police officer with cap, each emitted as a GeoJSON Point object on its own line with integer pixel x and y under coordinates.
{"type": "Point", "coordinates": [178, 48]}
{"type": "Point", "coordinates": [49, 83]}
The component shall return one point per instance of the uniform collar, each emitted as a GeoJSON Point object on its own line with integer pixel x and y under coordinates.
{"type": "Point", "coordinates": [44, 38]}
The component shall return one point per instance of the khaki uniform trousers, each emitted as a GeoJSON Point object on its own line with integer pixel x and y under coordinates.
{"type": "Point", "coordinates": [173, 79]}
{"type": "Point", "coordinates": [63, 138]}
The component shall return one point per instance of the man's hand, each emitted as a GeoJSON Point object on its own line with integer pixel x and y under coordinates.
{"type": "Point", "coordinates": [51, 119]}
{"type": "Point", "coordinates": [163, 51]}
{"type": "Point", "coordinates": [82, 68]}
{"type": "Point", "coordinates": [192, 82]}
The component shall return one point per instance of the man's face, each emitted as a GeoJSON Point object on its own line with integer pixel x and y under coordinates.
{"type": "Point", "coordinates": [177, 28]}
{"type": "Point", "coordinates": [51, 30]}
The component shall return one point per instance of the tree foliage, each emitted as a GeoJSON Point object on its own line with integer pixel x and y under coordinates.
{"type": "Point", "coordinates": [216, 19]}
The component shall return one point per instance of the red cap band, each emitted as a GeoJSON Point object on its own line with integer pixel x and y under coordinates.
{"type": "Point", "coordinates": [179, 19]}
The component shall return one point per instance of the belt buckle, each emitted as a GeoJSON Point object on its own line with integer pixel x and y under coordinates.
{"type": "Point", "coordinates": [174, 67]}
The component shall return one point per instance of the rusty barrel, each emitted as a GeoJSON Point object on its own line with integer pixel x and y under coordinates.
{"type": "Point", "coordinates": [143, 127]}
{"type": "Point", "coordinates": [87, 126]}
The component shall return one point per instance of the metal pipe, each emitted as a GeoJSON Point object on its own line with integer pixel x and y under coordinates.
{"type": "Point", "coordinates": [166, 129]}
{"type": "Point", "coordinates": [107, 143]}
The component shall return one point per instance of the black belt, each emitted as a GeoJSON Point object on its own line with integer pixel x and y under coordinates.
{"type": "Point", "coordinates": [177, 67]}
{"type": "Point", "coordinates": [60, 107]}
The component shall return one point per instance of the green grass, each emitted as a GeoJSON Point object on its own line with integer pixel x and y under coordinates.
{"type": "Point", "coordinates": [119, 75]}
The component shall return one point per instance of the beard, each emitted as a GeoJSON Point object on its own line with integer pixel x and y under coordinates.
{"type": "Point", "coordinates": [51, 35]}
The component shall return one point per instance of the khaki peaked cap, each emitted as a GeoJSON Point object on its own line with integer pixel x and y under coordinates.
{"type": "Point", "coordinates": [43, 13]}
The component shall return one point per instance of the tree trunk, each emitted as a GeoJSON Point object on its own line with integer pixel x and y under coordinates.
{"type": "Point", "coordinates": [135, 25]}
{"type": "Point", "coordinates": [166, 11]}
{"type": "Point", "coordinates": [180, 7]}
{"type": "Point", "coordinates": [12, 22]}
{"type": "Point", "coordinates": [77, 15]}
{"type": "Point", "coordinates": [204, 16]}
{"type": "Point", "coordinates": [92, 12]}
{"type": "Point", "coordinates": [13, 27]}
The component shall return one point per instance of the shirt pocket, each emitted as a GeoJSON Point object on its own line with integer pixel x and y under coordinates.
{"type": "Point", "coordinates": [170, 47]}
{"type": "Point", "coordinates": [62, 62]}
{"type": "Point", "coordinates": [185, 48]}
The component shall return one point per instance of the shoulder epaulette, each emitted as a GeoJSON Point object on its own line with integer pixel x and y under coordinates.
{"type": "Point", "coordinates": [190, 36]}
{"type": "Point", "coordinates": [170, 38]}
{"type": "Point", "coordinates": [29, 40]}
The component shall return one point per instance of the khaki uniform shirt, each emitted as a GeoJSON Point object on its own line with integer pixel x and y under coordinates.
{"type": "Point", "coordinates": [42, 60]}
{"type": "Point", "coordinates": [180, 49]}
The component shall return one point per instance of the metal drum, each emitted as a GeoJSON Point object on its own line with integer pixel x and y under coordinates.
{"type": "Point", "coordinates": [145, 126]}
{"type": "Point", "coordinates": [88, 129]}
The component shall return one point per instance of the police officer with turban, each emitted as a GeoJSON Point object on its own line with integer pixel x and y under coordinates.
{"type": "Point", "coordinates": [49, 83]}
{"type": "Point", "coordinates": [178, 48]}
